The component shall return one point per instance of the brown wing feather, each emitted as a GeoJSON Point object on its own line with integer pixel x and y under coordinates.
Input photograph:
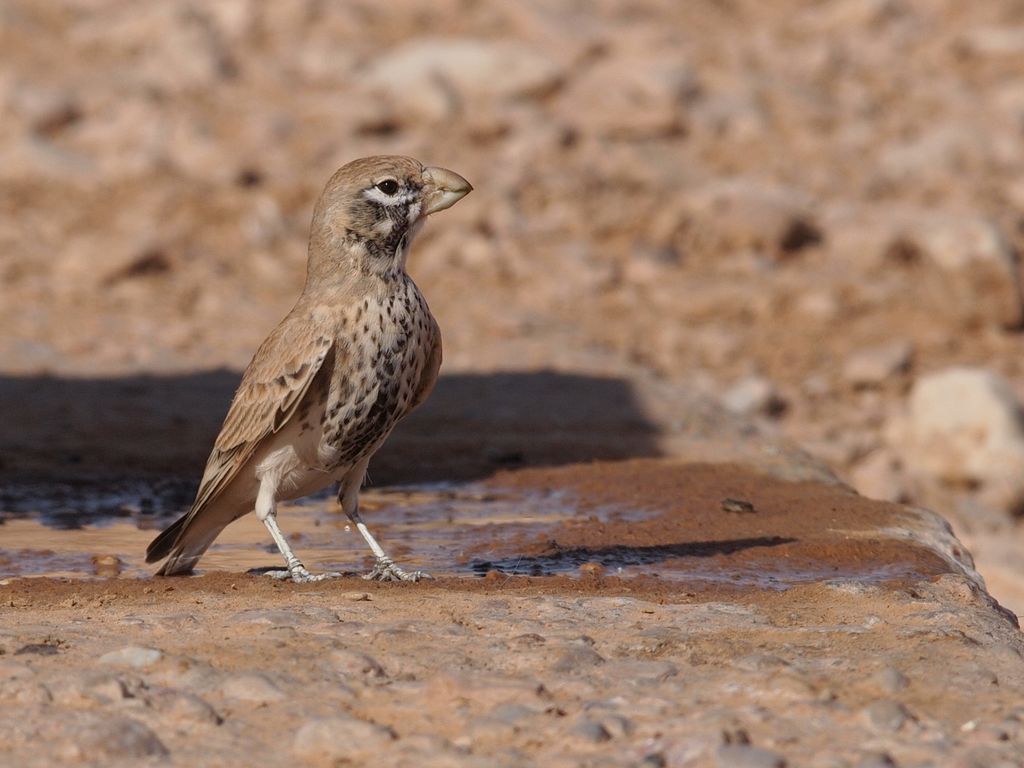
{"type": "Point", "coordinates": [272, 387]}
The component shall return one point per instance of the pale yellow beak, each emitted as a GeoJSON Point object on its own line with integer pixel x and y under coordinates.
{"type": "Point", "coordinates": [444, 189]}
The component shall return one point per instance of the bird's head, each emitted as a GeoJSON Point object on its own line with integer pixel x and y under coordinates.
{"type": "Point", "coordinates": [372, 208]}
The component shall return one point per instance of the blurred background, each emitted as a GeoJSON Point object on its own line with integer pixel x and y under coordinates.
{"type": "Point", "coordinates": [806, 214]}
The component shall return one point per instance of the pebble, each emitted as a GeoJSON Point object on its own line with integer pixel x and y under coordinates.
{"type": "Point", "coordinates": [876, 760]}
{"type": "Point", "coordinates": [432, 77]}
{"type": "Point", "coordinates": [890, 680]}
{"type": "Point", "coordinates": [964, 426]}
{"type": "Point", "coordinates": [112, 738]}
{"type": "Point", "coordinates": [134, 656]}
{"type": "Point", "coordinates": [754, 395]}
{"type": "Point", "coordinates": [873, 366]}
{"type": "Point", "coordinates": [354, 664]}
{"type": "Point", "coordinates": [339, 739]}
{"type": "Point", "coordinates": [747, 756]}
{"type": "Point", "coordinates": [181, 706]}
{"type": "Point", "coordinates": [15, 670]}
{"type": "Point", "coordinates": [590, 730]}
{"type": "Point", "coordinates": [253, 687]}
{"type": "Point", "coordinates": [577, 658]}
{"type": "Point", "coordinates": [886, 716]}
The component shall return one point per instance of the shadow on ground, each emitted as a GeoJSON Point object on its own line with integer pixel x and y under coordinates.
{"type": "Point", "coordinates": [569, 559]}
{"type": "Point", "coordinates": [78, 430]}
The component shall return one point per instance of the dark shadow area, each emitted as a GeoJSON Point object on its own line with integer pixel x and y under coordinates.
{"type": "Point", "coordinates": [95, 447]}
{"type": "Point", "coordinates": [562, 560]}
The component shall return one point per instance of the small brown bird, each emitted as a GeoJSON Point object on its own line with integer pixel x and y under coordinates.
{"type": "Point", "coordinates": [358, 351]}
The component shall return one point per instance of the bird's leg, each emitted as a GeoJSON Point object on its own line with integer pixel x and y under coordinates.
{"type": "Point", "coordinates": [385, 568]}
{"type": "Point", "coordinates": [266, 511]}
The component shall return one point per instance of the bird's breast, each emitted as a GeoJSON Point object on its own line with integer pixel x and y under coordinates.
{"type": "Point", "coordinates": [385, 345]}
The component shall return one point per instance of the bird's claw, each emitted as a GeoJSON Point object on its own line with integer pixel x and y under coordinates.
{"type": "Point", "coordinates": [386, 570]}
{"type": "Point", "coordinates": [300, 575]}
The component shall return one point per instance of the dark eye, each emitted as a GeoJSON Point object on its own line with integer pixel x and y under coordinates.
{"type": "Point", "coordinates": [388, 186]}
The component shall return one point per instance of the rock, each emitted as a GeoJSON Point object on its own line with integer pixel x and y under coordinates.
{"type": "Point", "coordinates": [981, 261]}
{"type": "Point", "coordinates": [24, 692]}
{"type": "Point", "coordinates": [885, 716]}
{"type": "Point", "coordinates": [591, 731]}
{"type": "Point", "coordinates": [754, 395]}
{"type": "Point", "coordinates": [890, 680]}
{"type": "Point", "coordinates": [963, 427]}
{"type": "Point", "coordinates": [577, 658]}
{"type": "Point", "coordinates": [747, 756]}
{"type": "Point", "coordinates": [879, 476]}
{"type": "Point", "coordinates": [134, 656]}
{"type": "Point", "coordinates": [339, 739]}
{"type": "Point", "coordinates": [874, 366]}
{"type": "Point", "coordinates": [15, 670]}
{"type": "Point", "coordinates": [876, 760]}
{"type": "Point", "coordinates": [436, 78]}
{"type": "Point", "coordinates": [107, 689]}
{"type": "Point", "coordinates": [112, 738]}
{"type": "Point", "coordinates": [630, 97]}
{"type": "Point", "coordinates": [181, 706]}
{"type": "Point", "coordinates": [353, 664]}
{"type": "Point", "coordinates": [739, 214]}
{"type": "Point", "coordinates": [253, 687]}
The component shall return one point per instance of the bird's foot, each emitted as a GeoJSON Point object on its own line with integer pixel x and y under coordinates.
{"type": "Point", "coordinates": [298, 574]}
{"type": "Point", "coordinates": [386, 570]}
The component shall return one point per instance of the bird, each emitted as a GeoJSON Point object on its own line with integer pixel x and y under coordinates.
{"type": "Point", "coordinates": [357, 353]}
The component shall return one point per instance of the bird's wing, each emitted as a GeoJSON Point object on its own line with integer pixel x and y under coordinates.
{"type": "Point", "coordinates": [272, 387]}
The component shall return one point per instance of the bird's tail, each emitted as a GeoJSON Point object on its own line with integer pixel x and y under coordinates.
{"type": "Point", "coordinates": [183, 542]}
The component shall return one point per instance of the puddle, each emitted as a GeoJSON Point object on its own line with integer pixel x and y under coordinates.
{"type": "Point", "coordinates": [466, 530]}
{"type": "Point", "coordinates": [444, 529]}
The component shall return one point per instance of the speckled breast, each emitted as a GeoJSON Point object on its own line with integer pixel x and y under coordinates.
{"type": "Point", "coordinates": [383, 350]}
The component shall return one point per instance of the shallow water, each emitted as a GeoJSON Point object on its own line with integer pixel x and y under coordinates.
{"type": "Point", "coordinates": [445, 529]}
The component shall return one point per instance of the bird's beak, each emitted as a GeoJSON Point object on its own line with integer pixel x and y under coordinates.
{"type": "Point", "coordinates": [444, 189]}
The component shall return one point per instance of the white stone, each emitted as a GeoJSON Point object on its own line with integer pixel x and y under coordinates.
{"type": "Point", "coordinates": [753, 395]}
{"type": "Point", "coordinates": [878, 476]}
{"type": "Point", "coordinates": [963, 426]}
{"type": "Point", "coordinates": [132, 656]}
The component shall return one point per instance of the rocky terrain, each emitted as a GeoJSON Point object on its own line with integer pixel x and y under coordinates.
{"type": "Point", "coordinates": [779, 237]}
{"type": "Point", "coordinates": [800, 625]}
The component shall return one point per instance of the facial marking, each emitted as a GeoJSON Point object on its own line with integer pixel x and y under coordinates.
{"type": "Point", "coordinates": [402, 197]}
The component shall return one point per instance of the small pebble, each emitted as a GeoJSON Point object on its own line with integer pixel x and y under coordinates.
{"type": "Point", "coordinates": [747, 756]}
{"type": "Point", "coordinates": [132, 656]}
{"type": "Point", "coordinates": [181, 706]}
{"type": "Point", "coordinates": [339, 739]}
{"type": "Point", "coordinates": [890, 680]}
{"type": "Point", "coordinates": [885, 716]}
{"type": "Point", "coordinates": [252, 687]}
{"type": "Point", "coordinates": [112, 738]}
{"type": "Point", "coordinates": [738, 507]}
{"type": "Point", "coordinates": [107, 566]}
{"type": "Point", "coordinates": [877, 760]}
{"type": "Point", "coordinates": [577, 658]}
{"type": "Point", "coordinates": [354, 664]}
{"type": "Point", "coordinates": [592, 731]}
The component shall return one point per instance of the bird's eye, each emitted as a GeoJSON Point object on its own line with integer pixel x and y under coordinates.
{"type": "Point", "coordinates": [388, 186]}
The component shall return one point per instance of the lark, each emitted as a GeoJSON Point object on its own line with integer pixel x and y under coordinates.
{"type": "Point", "coordinates": [358, 352]}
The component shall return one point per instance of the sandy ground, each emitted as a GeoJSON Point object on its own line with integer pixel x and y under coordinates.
{"type": "Point", "coordinates": [726, 239]}
{"type": "Point", "coordinates": [698, 192]}
{"type": "Point", "coordinates": [787, 630]}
